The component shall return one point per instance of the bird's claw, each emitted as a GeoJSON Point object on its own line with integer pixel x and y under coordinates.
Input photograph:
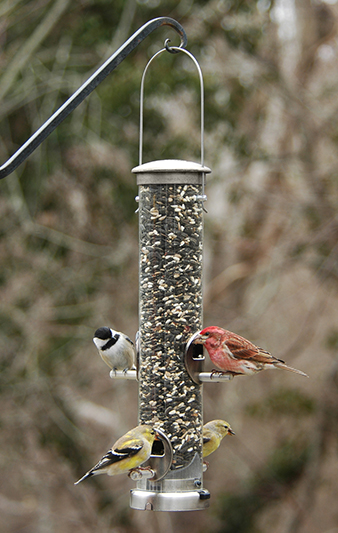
{"type": "Point", "coordinates": [138, 473]}
{"type": "Point", "coordinates": [215, 372]}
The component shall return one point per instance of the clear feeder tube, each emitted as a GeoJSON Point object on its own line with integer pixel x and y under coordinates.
{"type": "Point", "coordinates": [170, 311]}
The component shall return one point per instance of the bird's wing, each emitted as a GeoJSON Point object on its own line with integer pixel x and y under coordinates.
{"type": "Point", "coordinates": [207, 435]}
{"type": "Point", "coordinates": [129, 340]}
{"type": "Point", "coordinates": [117, 454]}
{"type": "Point", "coordinates": [130, 446]}
{"type": "Point", "coordinates": [241, 348]}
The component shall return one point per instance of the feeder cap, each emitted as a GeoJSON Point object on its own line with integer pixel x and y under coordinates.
{"type": "Point", "coordinates": [170, 171]}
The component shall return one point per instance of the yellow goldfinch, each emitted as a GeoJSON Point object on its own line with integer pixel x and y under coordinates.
{"type": "Point", "coordinates": [128, 453]}
{"type": "Point", "coordinates": [213, 433]}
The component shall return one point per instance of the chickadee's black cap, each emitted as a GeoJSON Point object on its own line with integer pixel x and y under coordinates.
{"type": "Point", "coordinates": [103, 333]}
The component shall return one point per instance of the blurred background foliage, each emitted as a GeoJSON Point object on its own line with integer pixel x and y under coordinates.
{"type": "Point", "coordinates": [69, 253]}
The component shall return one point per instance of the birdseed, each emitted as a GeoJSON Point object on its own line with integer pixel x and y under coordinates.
{"type": "Point", "coordinates": [171, 230]}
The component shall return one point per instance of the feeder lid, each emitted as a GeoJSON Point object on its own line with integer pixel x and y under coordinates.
{"type": "Point", "coordinates": [171, 165]}
{"type": "Point", "coordinates": [170, 171]}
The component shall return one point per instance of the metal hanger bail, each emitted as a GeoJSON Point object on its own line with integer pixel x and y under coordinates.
{"type": "Point", "coordinates": [172, 50]}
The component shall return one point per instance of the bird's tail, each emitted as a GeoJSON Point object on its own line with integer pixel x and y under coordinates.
{"type": "Point", "coordinates": [286, 367]}
{"type": "Point", "coordinates": [88, 474]}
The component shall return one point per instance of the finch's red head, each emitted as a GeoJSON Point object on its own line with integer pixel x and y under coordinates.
{"type": "Point", "coordinates": [212, 332]}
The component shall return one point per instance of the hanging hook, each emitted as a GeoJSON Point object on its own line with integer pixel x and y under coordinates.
{"type": "Point", "coordinates": [169, 48]}
{"type": "Point", "coordinates": [88, 86]}
{"type": "Point", "coordinates": [175, 50]}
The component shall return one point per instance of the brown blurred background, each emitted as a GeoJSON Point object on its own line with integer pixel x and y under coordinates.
{"type": "Point", "coordinates": [69, 254]}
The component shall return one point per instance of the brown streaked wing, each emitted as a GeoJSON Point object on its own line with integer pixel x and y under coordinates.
{"type": "Point", "coordinates": [241, 348]}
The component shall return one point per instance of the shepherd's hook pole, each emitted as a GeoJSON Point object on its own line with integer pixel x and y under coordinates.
{"type": "Point", "coordinates": [88, 86]}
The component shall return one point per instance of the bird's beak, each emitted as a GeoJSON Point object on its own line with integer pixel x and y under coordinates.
{"type": "Point", "coordinates": [198, 338]}
{"type": "Point", "coordinates": [194, 339]}
{"type": "Point", "coordinates": [231, 432]}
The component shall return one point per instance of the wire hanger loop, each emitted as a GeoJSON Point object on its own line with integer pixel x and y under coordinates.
{"type": "Point", "coordinates": [175, 50]}
{"type": "Point", "coordinates": [172, 50]}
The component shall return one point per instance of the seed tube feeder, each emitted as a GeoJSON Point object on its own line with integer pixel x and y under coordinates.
{"type": "Point", "coordinates": [171, 194]}
{"type": "Point", "coordinates": [170, 310]}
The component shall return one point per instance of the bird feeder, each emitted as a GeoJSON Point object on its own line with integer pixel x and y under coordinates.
{"type": "Point", "coordinates": [169, 366]}
{"type": "Point", "coordinates": [170, 310]}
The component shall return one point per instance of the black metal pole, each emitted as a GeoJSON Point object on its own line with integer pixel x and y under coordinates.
{"type": "Point", "coordinates": [88, 86]}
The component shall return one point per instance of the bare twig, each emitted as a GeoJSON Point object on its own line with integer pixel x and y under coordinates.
{"type": "Point", "coordinates": [32, 43]}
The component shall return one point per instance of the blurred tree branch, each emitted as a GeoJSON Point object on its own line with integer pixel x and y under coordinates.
{"type": "Point", "coordinates": [33, 42]}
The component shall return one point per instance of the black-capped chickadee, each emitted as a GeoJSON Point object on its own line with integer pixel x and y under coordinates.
{"type": "Point", "coordinates": [115, 348]}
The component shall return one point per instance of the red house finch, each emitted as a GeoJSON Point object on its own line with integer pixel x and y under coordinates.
{"type": "Point", "coordinates": [233, 354]}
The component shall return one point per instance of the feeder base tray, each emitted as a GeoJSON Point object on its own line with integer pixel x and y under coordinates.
{"type": "Point", "coordinates": [144, 500]}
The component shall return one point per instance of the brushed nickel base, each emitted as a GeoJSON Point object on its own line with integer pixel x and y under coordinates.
{"type": "Point", "coordinates": [144, 500]}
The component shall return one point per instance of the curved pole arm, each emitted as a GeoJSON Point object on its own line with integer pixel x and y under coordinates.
{"type": "Point", "coordinates": [88, 86]}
